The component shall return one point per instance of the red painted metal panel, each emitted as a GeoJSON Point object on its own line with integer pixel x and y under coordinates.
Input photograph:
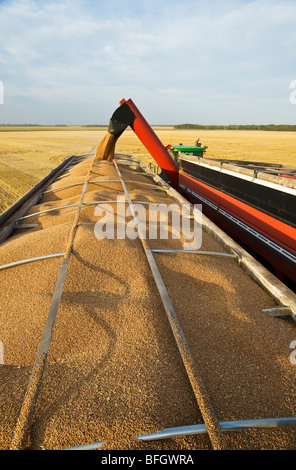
{"type": "Point", "coordinates": [269, 226]}
{"type": "Point", "coordinates": [276, 231]}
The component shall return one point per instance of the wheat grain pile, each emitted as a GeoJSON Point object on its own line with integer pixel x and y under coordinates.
{"type": "Point", "coordinates": [113, 370]}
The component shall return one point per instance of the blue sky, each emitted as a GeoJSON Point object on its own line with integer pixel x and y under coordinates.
{"type": "Point", "coordinates": [207, 62]}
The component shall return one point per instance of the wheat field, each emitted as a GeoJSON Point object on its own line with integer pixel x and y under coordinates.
{"type": "Point", "coordinates": [27, 154]}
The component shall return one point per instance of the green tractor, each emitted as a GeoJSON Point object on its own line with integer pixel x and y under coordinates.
{"type": "Point", "coordinates": [195, 150]}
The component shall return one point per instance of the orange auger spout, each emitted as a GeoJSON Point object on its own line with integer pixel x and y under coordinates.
{"type": "Point", "coordinates": [152, 143]}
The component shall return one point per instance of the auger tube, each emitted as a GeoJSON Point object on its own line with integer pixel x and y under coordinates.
{"type": "Point", "coordinates": [152, 143]}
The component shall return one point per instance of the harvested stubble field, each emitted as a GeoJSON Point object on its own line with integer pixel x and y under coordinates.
{"type": "Point", "coordinates": [28, 154]}
{"type": "Point", "coordinates": [113, 370]}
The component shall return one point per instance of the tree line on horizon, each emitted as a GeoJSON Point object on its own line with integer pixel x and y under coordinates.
{"type": "Point", "coordinates": [258, 127]}
{"type": "Point", "coordinates": [248, 127]}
